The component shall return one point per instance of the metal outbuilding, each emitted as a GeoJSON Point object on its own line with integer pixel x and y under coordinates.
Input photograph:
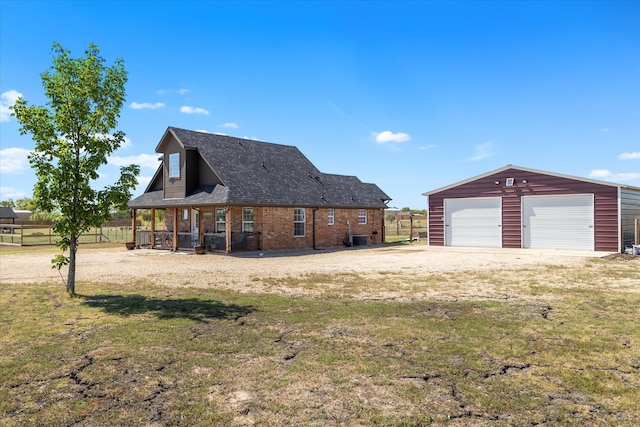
{"type": "Point", "coordinates": [517, 207]}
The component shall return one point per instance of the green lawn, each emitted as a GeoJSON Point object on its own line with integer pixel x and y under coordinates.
{"type": "Point", "coordinates": [139, 354]}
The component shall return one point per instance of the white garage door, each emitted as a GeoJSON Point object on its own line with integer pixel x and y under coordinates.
{"type": "Point", "coordinates": [558, 222]}
{"type": "Point", "coordinates": [473, 222]}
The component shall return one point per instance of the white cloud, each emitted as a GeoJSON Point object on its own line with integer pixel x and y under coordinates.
{"type": "Point", "coordinates": [629, 176]}
{"type": "Point", "coordinates": [143, 160]}
{"type": "Point", "coordinates": [11, 193]}
{"type": "Point", "coordinates": [193, 110]}
{"type": "Point", "coordinates": [13, 160]}
{"type": "Point", "coordinates": [183, 91]}
{"type": "Point", "coordinates": [146, 105]}
{"type": "Point", "coordinates": [161, 91]}
{"type": "Point", "coordinates": [629, 156]}
{"type": "Point", "coordinates": [482, 151]}
{"type": "Point", "coordinates": [202, 130]}
{"type": "Point", "coordinates": [388, 136]}
{"type": "Point", "coordinates": [604, 130]}
{"type": "Point", "coordinates": [7, 99]}
{"type": "Point", "coordinates": [607, 175]}
{"type": "Point", "coordinates": [143, 181]}
{"type": "Point", "coordinates": [600, 173]}
{"type": "Point", "coordinates": [229, 125]}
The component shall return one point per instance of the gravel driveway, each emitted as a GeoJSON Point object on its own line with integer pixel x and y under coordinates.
{"type": "Point", "coordinates": [246, 272]}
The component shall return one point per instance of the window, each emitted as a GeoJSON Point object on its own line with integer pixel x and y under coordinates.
{"type": "Point", "coordinates": [247, 220]}
{"type": "Point", "coordinates": [174, 165]}
{"type": "Point", "coordinates": [185, 214]}
{"type": "Point", "coordinates": [221, 220]}
{"type": "Point", "coordinates": [299, 224]}
{"type": "Point", "coordinates": [331, 216]}
{"type": "Point", "coordinates": [362, 216]}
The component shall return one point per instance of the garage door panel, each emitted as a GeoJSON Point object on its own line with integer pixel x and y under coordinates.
{"type": "Point", "coordinates": [558, 222]}
{"type": "Point", "coordinates": [473, 222]}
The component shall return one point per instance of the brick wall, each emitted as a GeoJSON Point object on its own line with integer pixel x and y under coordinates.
{"type": "Point", "coordinates": [275, 226]}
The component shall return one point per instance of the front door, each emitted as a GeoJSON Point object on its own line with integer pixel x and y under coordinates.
{"type": "Point", "coordinates": [195, 227]}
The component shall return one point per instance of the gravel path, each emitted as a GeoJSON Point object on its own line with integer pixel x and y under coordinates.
{"type": "Point", "coordinates": [246, 272]}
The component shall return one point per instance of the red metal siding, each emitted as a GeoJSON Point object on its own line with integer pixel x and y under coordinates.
{"type": "Point", "coordinates": [537, 184]}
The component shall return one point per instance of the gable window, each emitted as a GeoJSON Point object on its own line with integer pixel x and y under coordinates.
{"type": "Point", "coordinates": [299, 223]}
{"type": "Point", "coordinates": [362, 216]}
{"type": "Point", "coordinates": [247, 220]}
{"type": "Point", "coordinates": [174, 165]}
{"type": "Point", "coordinates": [221, 220]}
{"type": "Point", "coordinates": [331, 216]}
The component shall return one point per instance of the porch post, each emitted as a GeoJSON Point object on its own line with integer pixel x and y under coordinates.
{"type": "Point", "coordinates": [227, 229]}
{"type": "Point", "coordinates": [175, 228]}
{"type": "Point", "coordinates": [153, 228]}
{"type": "Point", "coordinates": [133, 225]}
{"type": "Point", "coordinates": [200, 224]}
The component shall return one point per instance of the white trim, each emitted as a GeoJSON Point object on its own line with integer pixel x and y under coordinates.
{"type": "Point", "coordinates": [620, 231]}
{"type": "Point", "coordinates": [253, 216]}
{"type": "Point", "coordinates": [364, 211]}
{"type": "Point", "coordinates": [173, 163]}
{"type": "Point", "coordinates": [507, 167]}
{"type": "Point", "coordinates": [297, 221]}
{"type": "Point", "coordinates": [331, 219]}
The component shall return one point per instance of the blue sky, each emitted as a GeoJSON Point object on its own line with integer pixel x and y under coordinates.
{"type": "Point", "coordinates": [412, 96]}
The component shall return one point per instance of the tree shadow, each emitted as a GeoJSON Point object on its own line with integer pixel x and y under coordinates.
{"type": "Point", "coordinates": [189, 308]}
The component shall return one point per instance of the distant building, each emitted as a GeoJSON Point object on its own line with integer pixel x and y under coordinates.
{"type": "Point", "coordinates": [7, 215]}
{"type": "Point", "coordinates": [23, 215]}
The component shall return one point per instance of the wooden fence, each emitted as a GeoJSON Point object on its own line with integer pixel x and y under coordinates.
{"type": "Point", "coordinates": [32, 235]}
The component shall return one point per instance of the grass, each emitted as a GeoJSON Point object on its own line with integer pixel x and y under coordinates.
{"type": "Point", "coordinates": [562, 350]}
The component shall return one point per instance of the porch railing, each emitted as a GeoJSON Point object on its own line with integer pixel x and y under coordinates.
{"type": "Point", "coordinates": [212, 242]}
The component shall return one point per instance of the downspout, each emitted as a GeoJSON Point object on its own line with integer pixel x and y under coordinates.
{"type": "Point", "coordinates": [313, 227]}
{"type": "Point", "coordinates": [227, 227]}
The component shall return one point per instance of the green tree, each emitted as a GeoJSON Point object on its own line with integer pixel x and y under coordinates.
{"type": "Point", "coordinates": [26, 203]}
{"type": "Point", "coordinates": [74, 135]}
{"type": "Point", "coordinates": [8, 203]}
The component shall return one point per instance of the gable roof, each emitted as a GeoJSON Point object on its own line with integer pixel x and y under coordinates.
{"type": "Point", "coordinates": [508, 167]}
{"type": "Point", "coordinates": [7, 212]}
{"type": "Point", "coordinates": [260, 173]}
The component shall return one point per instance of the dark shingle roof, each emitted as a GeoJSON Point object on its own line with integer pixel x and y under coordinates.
{"type": "Point", "coordinates": [7, 213]}
{"type": "Point", "coordinates": [260, 173]}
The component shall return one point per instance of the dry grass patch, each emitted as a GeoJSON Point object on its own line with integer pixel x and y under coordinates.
{"type": "Point", "coordinates": [541, 345]}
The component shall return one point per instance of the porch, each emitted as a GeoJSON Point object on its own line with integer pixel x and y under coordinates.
{"type": "Point", "coordinates": [187, 241]}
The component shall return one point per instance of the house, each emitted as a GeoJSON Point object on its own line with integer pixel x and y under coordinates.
{"type": "Point", "coordinates": [229, 194]}
{"type": "Point", "coordinates": [516, 207]}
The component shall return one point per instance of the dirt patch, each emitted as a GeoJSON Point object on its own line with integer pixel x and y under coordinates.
{"type": "Point", "coordinates": [256, 272]}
